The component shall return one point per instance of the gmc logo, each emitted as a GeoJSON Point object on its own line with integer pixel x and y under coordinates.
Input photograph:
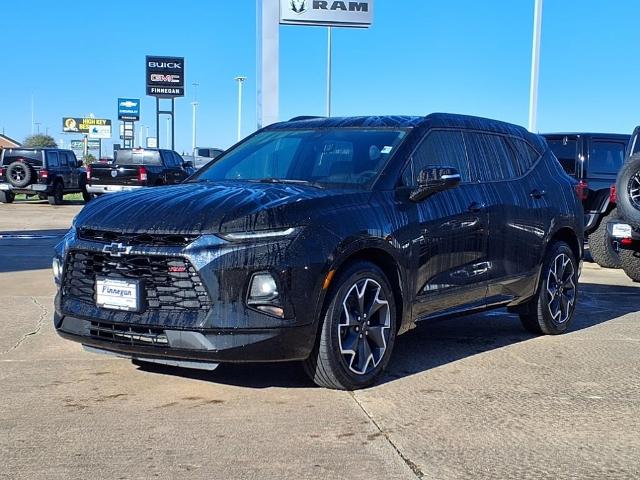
{"type": "Point", "coordinates": [159, 77]}
{"type": "Point", "coordinates": [175, 65]}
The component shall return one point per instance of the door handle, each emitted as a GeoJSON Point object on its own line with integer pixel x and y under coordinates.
{"type": "Point", "coordinates": [537, 194]}
{"type": "Point", "coordinates": [477, 207]}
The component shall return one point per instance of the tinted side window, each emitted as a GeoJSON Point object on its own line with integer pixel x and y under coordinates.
{"type": "Point", "coordinates": [440, 148]}
{"type": "Point", "coordinates": [178, 159]}
{"type": "Point", "coordinates": [490, 157]}
{"type": "Point", "coordinates": [167, 156]}
{"type": "Point", "coordinates": [526, 156]}
{"type": "Point", "coordinates": [52, 160]}
{"type": "Point", "coordinates": [605, 157]}
{"type": "Point", "coordinates": [565, 151]}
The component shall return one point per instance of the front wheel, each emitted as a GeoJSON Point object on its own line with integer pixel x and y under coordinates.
{"type": "Point", "coordinates": [551, 311]}
{"type": "Point", "coordinates": [358, 330]}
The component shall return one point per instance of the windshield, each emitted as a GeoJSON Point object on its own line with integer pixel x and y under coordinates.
{"type": "Point", "coordinates": [338, 156]}
{"type": "Point", "coordinates": [138, 157]}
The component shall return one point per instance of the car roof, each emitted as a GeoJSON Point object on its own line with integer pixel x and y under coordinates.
{"type": "Point", "coordinates": [434, 120]}
{"type": "Point", "coordinates": [586, 134]}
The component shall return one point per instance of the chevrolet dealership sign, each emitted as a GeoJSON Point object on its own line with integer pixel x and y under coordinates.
{"type": "Point", "coordinates": [327, 13]}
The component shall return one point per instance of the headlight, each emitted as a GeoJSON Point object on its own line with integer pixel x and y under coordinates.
{"type": "Point", "coordinates": [57, 269]}
{"type": "Point", "coordinates": [259, 235]}
{"type": "Point", "coordinates": [263, 294]}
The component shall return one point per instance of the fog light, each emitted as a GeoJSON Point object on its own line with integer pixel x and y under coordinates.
{"type": "Point", "coordinates": [271, 310]}
{"type": "Point", "coordinates": [57, 269]}
{"type": "Point", "coordinates": [263, 288]}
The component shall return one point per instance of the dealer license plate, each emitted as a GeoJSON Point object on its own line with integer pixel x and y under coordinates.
{"type": "Point", "coordinates": [621, 230]}
{"type": "Point", "coordinates": [118, 294]}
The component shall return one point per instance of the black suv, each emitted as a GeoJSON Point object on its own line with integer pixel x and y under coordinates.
{"type": "Point", "coordinates": [594, 159]}
{"type": "Point", "coordinates": [134, 168]}
{"type": "Point", "coordinates": [625, 231]}
{"type": "Point", "coordinates": [49, 173]}
{"type": "Point", "coordinates": [321, 240]}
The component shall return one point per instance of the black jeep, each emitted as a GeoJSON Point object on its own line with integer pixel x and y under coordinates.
{"type": "Point", "coordinates": [49, 173]}
{"type": "Point", "coordinates": [594, 159]}
{"type": "Point", "coordinates": [626, 231]}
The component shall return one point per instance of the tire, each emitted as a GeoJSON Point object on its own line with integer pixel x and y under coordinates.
{"type": "Point", "coordinates": [628, 191]}
{"type": "Point", "coordinates": [19, 174]}
{"type": "Point", "coordinates": [57, 195]}
{"type": "Point", "coordinates": [601, 246]}
{"type": "Point", "coordinates": [334, 362]}
{"type": "Point", "coordinates": [550, 297]}
{"type": "Point", "coordinates": [630, 261]}
{"type": "Point", "coordinates": [7, 197]}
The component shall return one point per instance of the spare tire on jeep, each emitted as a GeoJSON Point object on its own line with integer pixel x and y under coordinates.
{"type": "Point", "coordinates": [628, 191]}
{"type": "Point", "coordinates": [20, 174]}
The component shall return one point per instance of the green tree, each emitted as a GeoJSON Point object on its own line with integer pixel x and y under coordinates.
{"type": "Point", "coordinates": [39, 140]}
{"type": "Point", "coordinates": [89, 158]}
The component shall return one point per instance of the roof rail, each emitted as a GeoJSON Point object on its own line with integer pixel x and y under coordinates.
{"type": "Point", "coordinates": [305, 117]}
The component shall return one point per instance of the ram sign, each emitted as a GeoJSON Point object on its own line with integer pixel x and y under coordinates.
{"type": "Point", "coordinates": [165, 76]}
{"type": "Point", "coordinates": [327, 13]}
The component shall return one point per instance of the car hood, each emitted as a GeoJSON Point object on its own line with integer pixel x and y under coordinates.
{"type": "Point", "coordinates": [219, 207]}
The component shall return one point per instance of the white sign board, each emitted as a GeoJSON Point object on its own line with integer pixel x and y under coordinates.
{"type": "Point", "coordinates": [152, 142]}
{"type": "Point", "coordinates": [327, 13]}
{"type": "Point", "coordinates": [100, 131]}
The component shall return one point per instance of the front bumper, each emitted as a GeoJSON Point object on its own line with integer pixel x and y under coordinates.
{"type": "Point", "coordinates": [112, 188]}
{"type": "Point", "coordinates": [219, 346]}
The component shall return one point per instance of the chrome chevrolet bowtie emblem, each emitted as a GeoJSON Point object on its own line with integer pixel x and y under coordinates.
{"type": "Point", "coordinates": [116, 249]}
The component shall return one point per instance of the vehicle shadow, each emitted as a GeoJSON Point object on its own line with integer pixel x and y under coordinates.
{"type": "Point", "coordinates": [432, 343]}
{"type": "Point", "coordinates": [22, 250]}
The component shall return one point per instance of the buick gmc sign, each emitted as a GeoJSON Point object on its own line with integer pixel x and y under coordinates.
{"type": "Point", "coordinates": [328, 13]}
{"type": "Point", "coordinates": [165, 76]}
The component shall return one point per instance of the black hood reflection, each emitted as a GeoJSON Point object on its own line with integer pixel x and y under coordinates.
{"type": "Point", "coordinates": [205, 208]}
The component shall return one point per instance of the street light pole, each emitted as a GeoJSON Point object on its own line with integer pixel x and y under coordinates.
{"type": "Point", "coordinates": [194, 121]}
{"type": "Point", "coordinates": [240, 81]}
{"type": "Point", "coordinates": [329, 68]}
{"type": "Point", "coordinates": [535, 66]}
{"type": "Point", "coordinates": [168, 132]}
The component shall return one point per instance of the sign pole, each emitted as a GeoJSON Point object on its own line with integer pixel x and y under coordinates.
{"type": "Point", "coordinates": [173, 124]}
{"type": "Point", "coordinates": [268, 48]}
{"type": "Point", "coordinates": [535, 67]}
{"type": "Point", "coordinates": [329, 68]}
{"type": "Point", "coordinates": [158, 121]}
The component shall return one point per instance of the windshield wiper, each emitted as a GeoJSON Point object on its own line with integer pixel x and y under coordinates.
{"type": "Point", "coordinates": [290, 182]}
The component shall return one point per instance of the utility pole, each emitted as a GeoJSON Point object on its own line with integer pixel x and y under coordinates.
{"type": "Point", "coordinates": [194, 121]}
{"type": "Point", "coordinates": [240, 80]}
{"type": "Point", "coordinates": [33, 119]}
{"type": "Point", "coordinates": [535, 67]}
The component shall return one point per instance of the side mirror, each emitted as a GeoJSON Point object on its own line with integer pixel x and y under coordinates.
{"type": "Point", "coordinates": [433, 180]}
{"type": "Point", "coordinates": [80, 163]}
{"type": "Point", "coordinates": [188, 164]}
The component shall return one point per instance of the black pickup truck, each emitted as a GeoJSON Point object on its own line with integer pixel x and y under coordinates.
{"type": "Point", "coordinates": [136, 168]}
{"type": "Point", "coordinates": [594, 160]}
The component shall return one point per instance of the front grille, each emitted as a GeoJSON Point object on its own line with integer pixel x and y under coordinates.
{"type": "Point", "coordinates": [132, 335]}
{"type": "Point", "coordinates": [170, 283]}
{"type": "Point", "coordinates": [147, 239]}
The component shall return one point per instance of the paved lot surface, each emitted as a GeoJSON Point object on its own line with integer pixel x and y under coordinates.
{"type": "Point", "coordinates": [473, 397]}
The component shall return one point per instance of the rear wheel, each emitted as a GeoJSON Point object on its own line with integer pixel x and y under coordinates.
{"type": "Point", "coordinates": [358, 330]}
{"type": "Point", "coordinates": [7, 197]}
{"type": "Point", "coordinates": [551, 311]}
{"type": "Point", "coordinates": [601, 246]}
{"type": "Point", "coordinates": [57, 195]}
{"type": "Point", "coordinates": [630, 261]}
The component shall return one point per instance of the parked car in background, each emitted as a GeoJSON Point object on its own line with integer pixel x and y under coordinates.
{"type": "Point", "coordinates": [322, 239]}
{"type": "Point", "coordinates": [594, 160]}
{"type": "Point", "coordinates": [202, 156]}
{"type": "Point", "coordinates": [134, 168]}
{"type": "Point", "coordinates": [49, 173]}
{"type": "Point", "coordinates": [626, 230]}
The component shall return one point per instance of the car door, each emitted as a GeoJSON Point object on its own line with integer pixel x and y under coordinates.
{"type": "Point", "coordinates": [55, 157]}
{"type": "Point", "coordinates": [74, 170]}
{"type": "Point", "coordinates": [170, 169]}
{"type": "Point", "coordinates": [450, 251]}
{"type": "Point", "coordinates": [514, 206]}
{"type": "Point", "coordinates": [181, 172]}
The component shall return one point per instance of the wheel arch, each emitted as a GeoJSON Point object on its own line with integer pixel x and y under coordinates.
{"type": "Point", "coordinates": [569, 236]}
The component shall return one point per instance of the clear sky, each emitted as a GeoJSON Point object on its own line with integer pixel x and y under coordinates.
{"type": "Point", "coordinates": [421, 56]}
